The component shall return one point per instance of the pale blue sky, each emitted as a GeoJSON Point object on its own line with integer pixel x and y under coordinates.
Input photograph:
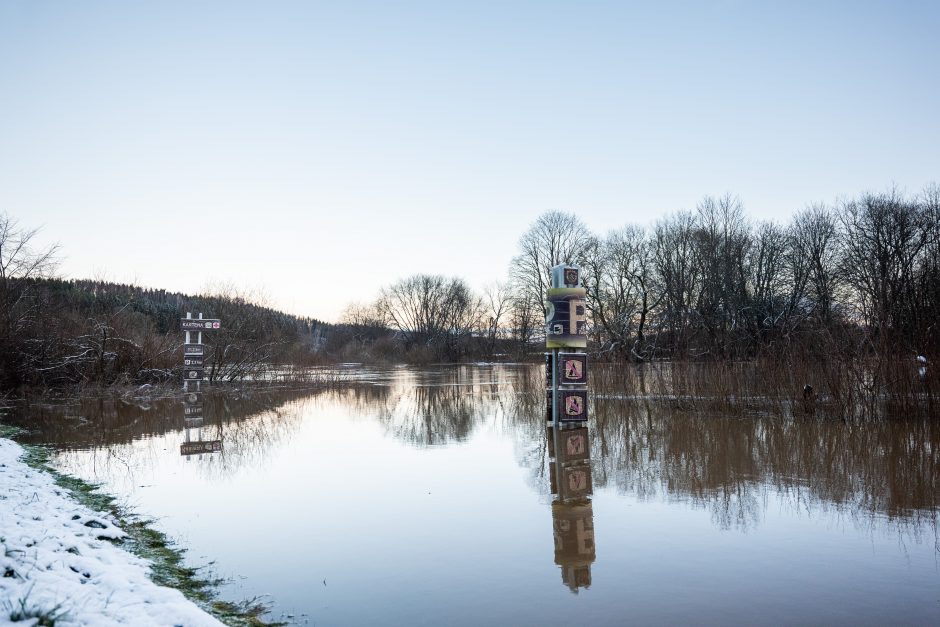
{"type": "Point", "coordinates": [177, 144]}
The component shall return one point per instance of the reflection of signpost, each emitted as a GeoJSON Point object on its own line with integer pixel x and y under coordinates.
{"type": "Point", "coordinates": [199, 448]}
{"type": "Point", "coordinates": [193, 374]}
{"type": "Point", "coordinates": [574, 446]}
{"type": "Point", "coordinates": [573, 527]}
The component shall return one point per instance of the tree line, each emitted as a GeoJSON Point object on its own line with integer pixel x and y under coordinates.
{"type": "Point", "coordinates": [56, 332]}
{"type": "Point", "coordinates": [860, 277]}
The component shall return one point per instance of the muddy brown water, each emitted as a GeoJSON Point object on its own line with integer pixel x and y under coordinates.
{"type": "Point", "coordinates": [423, 497]}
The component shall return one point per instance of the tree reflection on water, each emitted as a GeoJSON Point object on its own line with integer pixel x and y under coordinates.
{"type": "Point", "coordinates": [731, 463]}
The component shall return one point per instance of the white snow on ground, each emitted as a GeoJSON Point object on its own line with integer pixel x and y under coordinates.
{"type": "Point", "coordinates": [55, 557]}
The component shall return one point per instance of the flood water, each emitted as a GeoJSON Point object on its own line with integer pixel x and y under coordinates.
{"type": "Point", "coordinates": [424, 497]}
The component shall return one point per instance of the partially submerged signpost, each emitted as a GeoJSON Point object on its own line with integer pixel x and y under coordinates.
{"type": "Point", "coordinates": [566, 409]}
{"type": "Point", "coordinates": [194, 352]}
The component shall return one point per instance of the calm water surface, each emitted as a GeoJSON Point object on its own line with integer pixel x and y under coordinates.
{"type": "Point", "coordinates": [422, 497]}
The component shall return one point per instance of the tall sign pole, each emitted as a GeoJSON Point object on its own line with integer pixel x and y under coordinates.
{"type": "Point", "coordinates": [194, 360]}
{"type": "Point", "coordinates": [567, 409]}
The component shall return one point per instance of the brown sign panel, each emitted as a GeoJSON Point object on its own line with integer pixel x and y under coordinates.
{"type": "Point", "coordinates": [572, 405]}
{"type": "Point", "coordinates": [192, 398]}
{"type": "Point", "coordinates": [193, 374]}
{"type": "Point", "coordinates": [198, 448]}
{"type": "Point", "coordinates": [194, 349]}
{"type": "Point", "coordinates": [573, 368]}
{"type": "Point", "coordinates": [192, 421]}
{"type": "Point", "coordinates": [194, 361]}
{"type": "Point", "coordinates": [206, 324]}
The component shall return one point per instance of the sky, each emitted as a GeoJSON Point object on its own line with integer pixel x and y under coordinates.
{"type": "Point", "coordinates": [313, 152]}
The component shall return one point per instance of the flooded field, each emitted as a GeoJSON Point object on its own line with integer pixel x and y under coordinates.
{"type": "Point", "coordinates": [424, 497]}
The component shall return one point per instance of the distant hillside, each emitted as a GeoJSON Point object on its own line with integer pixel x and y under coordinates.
{"type": "Point", "coordinates": [57, 332]}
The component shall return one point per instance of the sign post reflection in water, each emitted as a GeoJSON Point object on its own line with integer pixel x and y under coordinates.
{"type": "Point", "coordinates": [194, 373]}
{"type": "Point", "coordinates": [569, 449]}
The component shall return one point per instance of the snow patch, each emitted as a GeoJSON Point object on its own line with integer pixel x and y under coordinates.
{"type": "Point", "coordinates": [57, 560]}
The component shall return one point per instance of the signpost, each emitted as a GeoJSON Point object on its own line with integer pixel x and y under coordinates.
{"type": "Point", "coordinates": [566, 410]}
{"type": "Point", "coordinates": [194, 356]}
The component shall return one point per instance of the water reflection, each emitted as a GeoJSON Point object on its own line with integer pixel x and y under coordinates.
{"type": "Point", "coordinates": [734, 466]}
{"type": "Point", "coordinates": [573, 525]}
{"type": "Point", "coordinates": [572, 511]}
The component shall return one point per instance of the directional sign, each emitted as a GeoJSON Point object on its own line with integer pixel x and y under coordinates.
{"type": "Point", "coordinates": [566, 320]}
{"type": "Point", "coordinates": [198, 448]}
{"type": "Point", "coordinates": [192, 421]}
{"type": "Point", "coordinates": [205, 324]}
{"type": "Point", "coordinates": [193, 361]}
{"type": "Point", "coordinates": [193, 374]}
{"type": "Point", "coordinates": [194, 349]}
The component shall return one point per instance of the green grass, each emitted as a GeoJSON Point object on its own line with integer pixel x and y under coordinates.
{"type": "Point", "coordinates": [143, 540]}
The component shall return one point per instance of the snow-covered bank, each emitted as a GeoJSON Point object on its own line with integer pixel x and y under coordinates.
{"type": "Point", "coordinates": [56, 560]}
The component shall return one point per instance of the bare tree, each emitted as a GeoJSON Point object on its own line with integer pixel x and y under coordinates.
{"type": "Point", "coordinates": [431, 311]}
{"type": "Point", "coordinates": [621, 288]}
{"type": "Point", "coordinates": [816, 244]}
{"type": "Point", "coordinates": [21, 264]}
{"type": "Point", "coordinates": [885, 236]}
{"type": "Point", "coordinates": [554, 238]}
{"type": "Point", "coordinates": [497, 304]}
{"type": "Point", "coordinates": [679, 277]}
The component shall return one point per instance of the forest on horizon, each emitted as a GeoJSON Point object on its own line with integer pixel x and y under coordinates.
{"type": "Point", "coordinates": [856, 280]}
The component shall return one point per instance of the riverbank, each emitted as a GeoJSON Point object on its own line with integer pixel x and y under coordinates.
{"type": "Point", "coordinates": [72, 555]}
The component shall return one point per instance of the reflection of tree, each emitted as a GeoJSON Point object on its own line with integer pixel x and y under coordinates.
{"type": "Point", "coordinates": [91, 423]}
{"type": "Point", "coordinates": [123, 439]}
{"type": "Point", "coordinates": [733, 464]}
{"type": "Point", "coordinates": [435, 407]}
